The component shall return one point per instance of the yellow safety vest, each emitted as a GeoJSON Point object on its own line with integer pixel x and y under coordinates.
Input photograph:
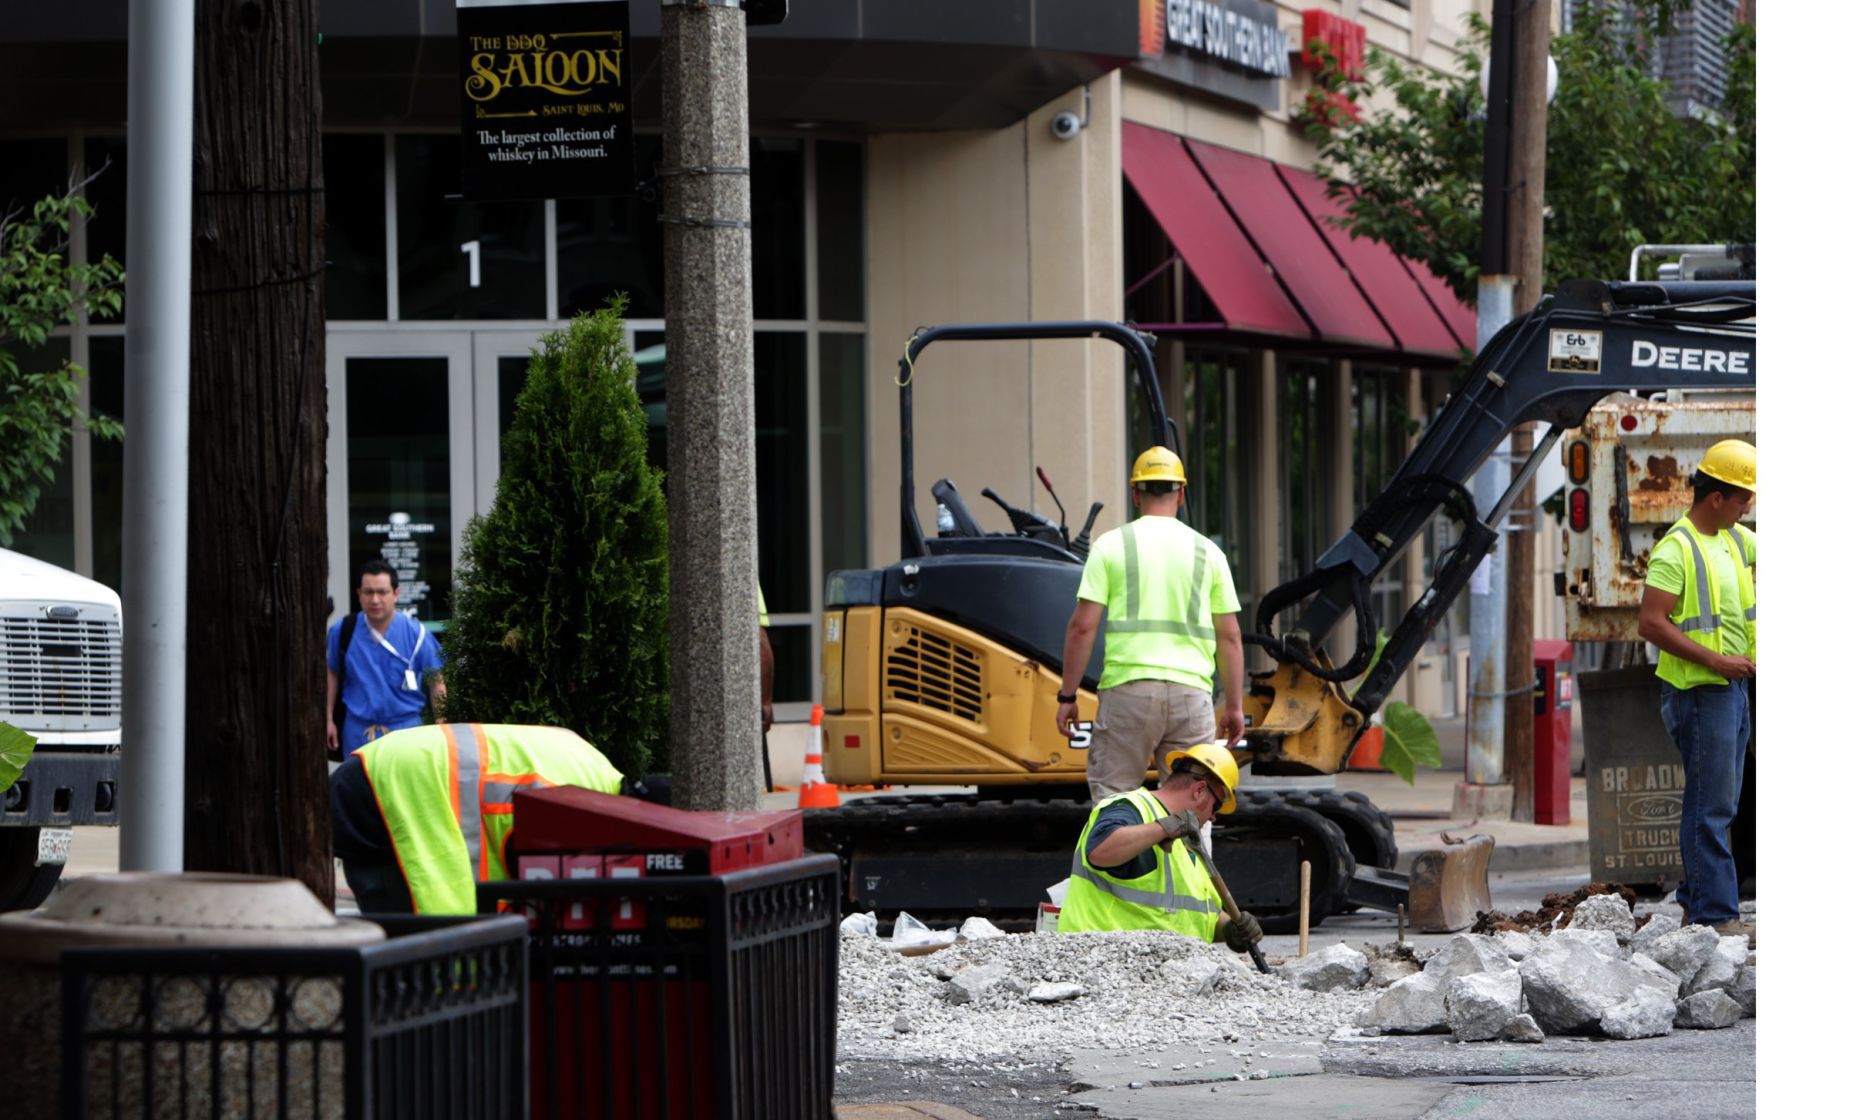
{"type": "Point", "coordinates": [1158, 619]}
{"type": "Point", "coordinates": [1696, 610]}
{"type": "Point", "coordinates": [446, 792]}
{"type": "Point", "coordinates": [1176, 895]}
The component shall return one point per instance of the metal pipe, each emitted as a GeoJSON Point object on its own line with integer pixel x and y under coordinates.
{"type": "Point", "coordinates": [1489, 589]}
{"type": "Point", "coordinates": [154, 499]}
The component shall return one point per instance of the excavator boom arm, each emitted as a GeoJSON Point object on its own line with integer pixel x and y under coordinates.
{"type": "Point", "coordinates": [1591, 340]}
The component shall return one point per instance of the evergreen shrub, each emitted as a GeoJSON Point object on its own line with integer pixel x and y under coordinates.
{"type": "Point", "coordinates": [561, 610]}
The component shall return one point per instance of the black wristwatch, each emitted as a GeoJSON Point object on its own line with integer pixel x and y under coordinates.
{"type": "Point", "coordinates": [1066, 697]}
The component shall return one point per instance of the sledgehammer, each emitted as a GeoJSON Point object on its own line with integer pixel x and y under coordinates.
{"type": "Point", "coordinates": [1227, 903]}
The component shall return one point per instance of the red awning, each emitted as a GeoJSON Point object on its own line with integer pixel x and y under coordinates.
{"type": "Point", "coordinates": [1219, 255]}
{"type": "Point", "coordinates": [1460, 319]}
{"type": "Point", "coordinates": [1303, 262]}
{"type": "Point", "coordinates": [1393, 291]}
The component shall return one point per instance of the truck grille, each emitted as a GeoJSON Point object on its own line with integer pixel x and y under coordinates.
{"type": "Point", "coordinates": [61, 667]}
{"type": "Point", "coordinates": [937, 673]}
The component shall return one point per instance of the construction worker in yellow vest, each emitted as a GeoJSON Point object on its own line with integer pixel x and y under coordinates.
{"type": "Point", "coordinates": [420, 816]}
{"type": "Point", "coordinates": [1130, 871]}
{"type": "Point", "coordinates": [1698, 610]}
{"type": "Point", "coordinates": [1164, 595]}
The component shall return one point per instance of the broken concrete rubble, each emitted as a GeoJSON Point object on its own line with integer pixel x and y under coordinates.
{"type": "Point", "coordinates": [1685, 951]}
{"type": "Point", "coordinates": [1569, 985]}
{"type": "Point", "coordinates": [1415, 1005]}
{"type": "Point", "coordinates": [1605, 912]}
{"type": "Point", "coordinates": [1478, 1007]}
{"type": "Point", "coordinates": [1658, 926]}
{"type": "Point", "coordinates": [1707, 1011]}
{"type": "Point", "coordinates": [1515, 943]}
{"type": "Point", "coordinates": [1195, 975]}
{"type": "Point", "coordinates": [1054, 993]}
{"type": "Point", "coordinates": [973, 984]}
{"type": "Point", "coordinates": [1468, 953]}
{"type": "Point", "coordinates": [1601, 941]}
{"type": "Point", "coordinates": [1742, 991]}
{"type": "Point", "coordinates": [1388, 963]}
{"type": "Point", "coordinates": [1648, 1013]}
{"type": "Point", "coordinates": [1334, 968]}
{"type": "Point", "coordinates": [1722, 967]}
{"type": "Point", "coordinates": [1523, 1029]}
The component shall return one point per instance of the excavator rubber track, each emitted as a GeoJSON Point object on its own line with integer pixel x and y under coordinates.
{"type": "Point", "coordinates": [945, 857]}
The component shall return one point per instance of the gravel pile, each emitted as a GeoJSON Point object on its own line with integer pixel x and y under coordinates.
{"type": "Point", "coordinates": [989, 999]}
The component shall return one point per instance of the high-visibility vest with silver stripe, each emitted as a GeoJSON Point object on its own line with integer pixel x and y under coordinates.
{"type": "Point", "coordinates": [1176, 895]}
{"type": "Point", "coordinates": [1162, 618]}
{"type": "Point", "coordinates": [1697, 611]}
{"type": "Point", "coordinates": [446, 792]}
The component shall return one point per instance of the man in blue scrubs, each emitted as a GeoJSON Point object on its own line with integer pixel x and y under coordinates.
{"type": "Point", "coordinates": [391, 659]}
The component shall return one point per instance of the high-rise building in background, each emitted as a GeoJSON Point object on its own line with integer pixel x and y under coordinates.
{"type": "Point", "coordinates": [1693, 58]}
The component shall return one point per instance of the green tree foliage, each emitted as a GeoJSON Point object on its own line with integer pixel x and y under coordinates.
{"type": "Point", "coordinates": [562, 598]}
{"type": "Point", "coordinates": [1622, 169]}
{"type": "Point", "coordinates": [41, 289]}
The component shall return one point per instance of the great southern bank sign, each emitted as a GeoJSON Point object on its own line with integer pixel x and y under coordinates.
{"type": "Point", "coordinates": [1233, 48]}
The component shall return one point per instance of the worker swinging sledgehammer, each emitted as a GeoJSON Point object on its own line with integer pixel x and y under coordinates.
{"type": "Point", "coordinates": [1128, 872]}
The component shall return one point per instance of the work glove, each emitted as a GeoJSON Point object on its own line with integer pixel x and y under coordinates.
{"type": "Point", "coordinates": [1182, 824]}
{"type": "Point", "coordinates": [1242, 933]}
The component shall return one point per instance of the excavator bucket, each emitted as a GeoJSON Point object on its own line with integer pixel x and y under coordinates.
{"type": "Point", "coordinates": [1449, 886]}
{"type": "Point", "coordinates": [1443, 892]}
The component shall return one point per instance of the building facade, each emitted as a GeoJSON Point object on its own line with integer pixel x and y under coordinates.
{"type": "Point", "coordinates": [912, 164]}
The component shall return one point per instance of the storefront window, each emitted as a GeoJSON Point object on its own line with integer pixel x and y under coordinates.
{"type": "Point", "coordinates": [47, 533]}
{"type": "Point", "coordinates": [106, 399]}
{"type": "Point", "coordinates": [840, 248]}
{"type": "Point", "coordinates": [842, 397]}
{"type": "Point", "coordinates": [777, 229]}
{"type": "Point", "coordinates": [463, 260]}
{"type": "Point", "coordinates": [613, 244]}
{"type": "Point", "coordinates": [780, 384]}
{"type": "Point", "coordinates": [398, 477]}
{"type": "Point", "coordinates": [30, 170]}
{"type": "Point", "coordinates": [1303, 503]}
{"type": "Point", "coordinates": [353, 177]}
{"type": "Point", "coordinates": [1379, 432]}
{"type": "Point", "coordinates": [106, 230]}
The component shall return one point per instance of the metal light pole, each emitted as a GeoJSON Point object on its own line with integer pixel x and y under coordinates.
{"type": "Point", "coordinates": [154, 508]}
{"type": "Point", "coordinates": [712, 513]}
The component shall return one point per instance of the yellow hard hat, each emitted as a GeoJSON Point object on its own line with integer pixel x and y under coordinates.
{"type": "Point", "coordinates": [1159, 464]}
{"type": "Point", "coordinates": [1218, 759]}
{"type": "Point", "coordinates": [1731, 461]}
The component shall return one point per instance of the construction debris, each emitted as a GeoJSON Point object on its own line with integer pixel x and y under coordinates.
{"type": "Point", "coordinates": [1479, 1007]}
{"type": "Point", "coordinates": [1557, 910]}
{"type": "Point", "coordinates": [1583, 964]}
{"type": "Point", "coordinates": [1330, 969]}
{"type": "Point", "coordinates": [1707, 1011]}
{"type": "Point", "coordinates": [1138, 988]}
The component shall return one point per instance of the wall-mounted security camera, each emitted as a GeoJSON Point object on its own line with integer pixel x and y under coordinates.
{"type": "Point", "coordinates": [1066, 125]}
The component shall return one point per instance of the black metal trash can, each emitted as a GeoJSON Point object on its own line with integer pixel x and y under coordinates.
{"type": "Point", "coordinates": [683, 996]}
{"type": "Point", "coordinates": [430, 1022]}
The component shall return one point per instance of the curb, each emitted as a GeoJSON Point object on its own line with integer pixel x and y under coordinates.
{"type": "Point", "coordinates": [1545, 855]}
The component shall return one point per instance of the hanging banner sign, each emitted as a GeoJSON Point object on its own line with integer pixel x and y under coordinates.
{"type": "Point", "coordinates": [545, 98]}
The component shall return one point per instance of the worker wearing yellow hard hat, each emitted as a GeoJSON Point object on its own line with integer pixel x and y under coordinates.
{"type": "Point", "coordinates": [1128, 872]}
{"type": "Point", "coordinates": [1699, 611]}
{"type": "Point", "coordinates": [1163, 595]}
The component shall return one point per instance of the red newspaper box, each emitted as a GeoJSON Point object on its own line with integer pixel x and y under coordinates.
{"type": "Point", "coordinates": [1554, 729]}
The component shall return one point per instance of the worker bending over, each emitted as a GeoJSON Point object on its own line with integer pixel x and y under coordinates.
{"type": "Point", "coordinates": [1164, 595]}
{"type": "Point", "coordinates": [1128, 870]}
{"type": "Point", "coordinates": [420, 816]}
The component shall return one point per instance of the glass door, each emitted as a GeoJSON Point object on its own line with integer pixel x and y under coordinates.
{"type": "Point", "coordinates": [401, 463]}
{"type": "Point", "coordinates": [500, 371]}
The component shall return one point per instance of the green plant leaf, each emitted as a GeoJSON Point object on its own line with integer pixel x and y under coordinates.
{"type": "Point", "coordinates": [1408, 740]}
{"type": "Point", "coordinates": [15, 751]}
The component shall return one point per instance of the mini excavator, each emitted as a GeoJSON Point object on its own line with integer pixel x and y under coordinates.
{"type": "Point", "coordinates": [941, 669]}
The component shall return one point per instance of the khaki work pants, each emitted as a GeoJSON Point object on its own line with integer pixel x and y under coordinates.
{"type": "Point", "coordinates": [1138, 719]}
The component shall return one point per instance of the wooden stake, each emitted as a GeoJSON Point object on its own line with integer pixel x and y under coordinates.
{"type": "Point", "coordinates": [1304, 909]}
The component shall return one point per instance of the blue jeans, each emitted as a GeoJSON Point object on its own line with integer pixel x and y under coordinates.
{"type": "Point", "coordinates": [1710, 724]}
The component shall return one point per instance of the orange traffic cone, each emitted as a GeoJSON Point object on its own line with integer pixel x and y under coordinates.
{"type": "Point", "coordinates": [817, 792]}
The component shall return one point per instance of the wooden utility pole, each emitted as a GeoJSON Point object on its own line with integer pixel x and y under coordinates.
{"type": "Point", "coordinates": [1527, 162]}
{"type": "Point", "coordinates": [257, 547]}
